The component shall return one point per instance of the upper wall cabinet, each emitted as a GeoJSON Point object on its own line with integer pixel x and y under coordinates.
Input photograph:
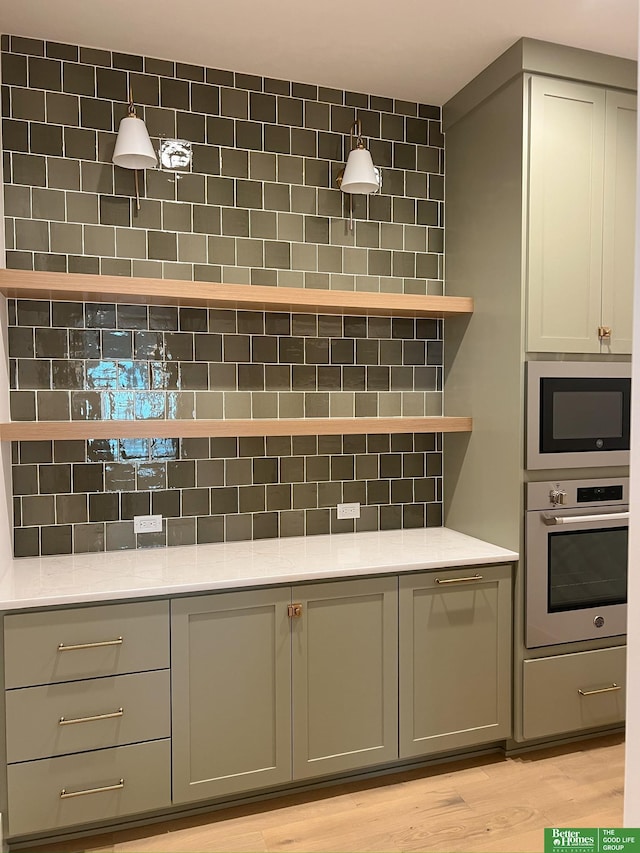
{"type": "Point", "coordinates": [582, 150]}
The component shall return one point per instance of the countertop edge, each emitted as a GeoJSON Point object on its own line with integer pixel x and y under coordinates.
{"type": "Point", "coordinates": [134, 587]}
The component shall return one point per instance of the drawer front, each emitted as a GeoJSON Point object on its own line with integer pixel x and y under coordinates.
{"type": "Point", "coordinates": [573, 692]}
{"type": "Point", "coordinates": [110, 783]}
{"type": "Point", "coordinates": [85, 642]}
{"type": "Point", "coordinates": [77, 716]}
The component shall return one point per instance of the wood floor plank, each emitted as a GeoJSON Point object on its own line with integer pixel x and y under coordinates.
{"type": "Point", "coordinates": [486, 804]}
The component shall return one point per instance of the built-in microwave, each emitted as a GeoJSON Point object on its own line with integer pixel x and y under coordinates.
{"type": "Point", "coordinates": [578, 414]}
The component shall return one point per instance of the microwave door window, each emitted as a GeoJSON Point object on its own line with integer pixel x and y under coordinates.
{"type": "Point", "coordinates": [585, 414]}
{"type": "Point", "coordinates": [587, 568]}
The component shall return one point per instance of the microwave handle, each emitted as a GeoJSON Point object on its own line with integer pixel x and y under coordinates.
{"type": "Point", "coordinates": [584, 519]}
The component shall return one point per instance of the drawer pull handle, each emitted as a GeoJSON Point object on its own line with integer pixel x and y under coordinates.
{"type": "Point", "coordinates": [459, 580]}
{"type": "Point", "coordinates": [611, 689]}
{"type": "Point", "coordinates": [62, 647]}
{"type": "Point", "coordinates": [63, 721]}
{"type": "Point", "coordinates": [67, 795]}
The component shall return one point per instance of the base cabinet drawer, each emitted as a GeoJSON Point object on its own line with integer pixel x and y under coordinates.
{"type": "Point", "coordinates": [77, 716]}
{"type": "Point", "coordinates": [78, 789]}
{"type": "Point", "coordinates": [572, 692]}
{"type": "Point", "coordinates": [85, 642]}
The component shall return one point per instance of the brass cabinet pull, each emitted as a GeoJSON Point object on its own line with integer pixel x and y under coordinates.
{"type": "Point", "coordinates": [63, 721]}
{"type": "Point", "coordinates": [294, 611]}
{"type": "Point", "coordinates": [604, 332]}
{"type": "Point", "coordinates": [459, 580]}
{"type": "Point", "coordinates": [67, 795]}
{"type": "Point", "coordinates": [62, 647]}
{"type": "Point", "coordinates": [611, 689]}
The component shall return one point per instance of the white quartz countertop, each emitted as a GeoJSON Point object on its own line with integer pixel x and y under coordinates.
{"type": "Point", "coordinates": [118, 575]}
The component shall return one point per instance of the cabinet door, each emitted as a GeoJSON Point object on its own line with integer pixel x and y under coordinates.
{"type": "Point", "coordinates": [619, 220]}
{"type": "Point", "coordinates": [345, 676]}
{"type": "Point", "coordinates": [455, 659]}
{"type": "Point", "coordinates": [566, 165]}
{"type": "Point", "coordinates": [231, 693]}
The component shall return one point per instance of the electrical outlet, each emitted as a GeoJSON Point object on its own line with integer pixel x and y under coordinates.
{"type": "Point", "coordinates": [349, 510]}
{"type": "Point", "coordinates": [147, 523]}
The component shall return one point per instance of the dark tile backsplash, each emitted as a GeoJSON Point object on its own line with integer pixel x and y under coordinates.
{"type": "Point", "coordinates": [76, 496]}
{"type": "Point", "coordinates": [265, 157]}
{"type": "Point", "coordinates": [259, 206]}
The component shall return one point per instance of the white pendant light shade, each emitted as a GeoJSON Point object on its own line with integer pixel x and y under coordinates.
{"type": "Point", "coordinates": [133, 148]}
{"type": "Point", "coordinates": [360, 175]}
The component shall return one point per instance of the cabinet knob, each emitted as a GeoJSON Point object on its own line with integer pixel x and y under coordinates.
{"type": "Point", "coordinates": [294, 611]}
{"type": "Point", "coordinates": [604, 333]}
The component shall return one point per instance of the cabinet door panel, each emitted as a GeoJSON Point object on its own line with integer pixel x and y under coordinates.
{"type": "Point", "coordinates": [455, 653]}
{"type": "Point", "coordinates": [231, 688]}
{"type": "Point", "coordinates": [619, 221]}
{"type": "Point", "coordinates": [344, 656]}
{"type": "Point", "coordinates": [566, 165]}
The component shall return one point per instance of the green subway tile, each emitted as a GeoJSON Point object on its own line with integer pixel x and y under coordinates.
{"type": "Point", "coordinates": [181, 531]}
{"type": "Point", "coordinates": [303, 200]}
{"type": "Point", "coordinates": [70, 509]}
{"type": "Point", "coordinates": [340, 234]}
{"type": "Point", "coordinates": [329, 259]}
{"type": "Point", "coordinates": [192, 248]}
{"type": "Point", "coordinates": [82, 207]}
{"type": "Point", "coordinates": [279, 497]}
{"type": "Point", "coordinates": [265, 525]}
{"type": "Point", "coordinates": [27, 104]}
{"type": "Point", "coordinates": [290, 227]}
{"type": "Point", "coordinates": [290, 169]}
{"type": "Point", "coordinates": [291, 404]}
{"type": "Point", "coordinates": [66, 238]}
{"type": "Point", "coordinates": [88, 538]}
{"type": "Point", "coordinates": [237, 404]}
{"type": "Point", "coordinates": [38, 510]}
{"type": "Point", "coordinates": [209, 529]}
{"type": "Point", "coordinates": [277, 197]}
{"type": "Point", "coordinates": [120, 536]}
{"type": "Point", "coordinates": [292, 523]}
{"type": "Point", "coordinates": [222, 250]}
{"type": "Point", "coordinates": [162, 245]}
{"type": "Point", "coordinates": [304, 256]}
{"type": "Point", "coordinates": [264, 404]}
{"type": "Point", "coordinates": [209, 404]}
{"type": "Point", "coordinates": [32, 234]}
{"type": "Point", "coordinates": [317, 522]}
{"type": "Point", "coordinates": [330, 202]}
{"type": "Point", "coordinates": [238, 528]}
{"type": "Point", "coordinates": [316, 405]}
{"type": "Point", "coordinates": [263, 224]}
{"type": "Point", "coordinates": [329, 494]}
{"type": "Point", "coordinates": [56, 540]}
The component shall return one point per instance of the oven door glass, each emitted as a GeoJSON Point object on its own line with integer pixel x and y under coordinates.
{"type": "Point", "coordinates": [587, 568]}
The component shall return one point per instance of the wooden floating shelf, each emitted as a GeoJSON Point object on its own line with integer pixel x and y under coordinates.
{"type": "Point", "coordinates": [27, 284]}
{"type": "Point", "coordinates": [64, 430]}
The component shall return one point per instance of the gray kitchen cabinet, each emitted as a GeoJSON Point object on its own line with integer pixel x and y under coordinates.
{"type": "Point", "coordinates": [582, 147]}
{"type": "Point", "coordinates": [231, 693]}
{"type": "Point", "coordinates": [455, 659]}
{"type": "Point", "coordinates": [566, 693]}
{"type": "Point", "coordinates": [87, 697]}
{"type": "Point", "coordinates": [345, 676]}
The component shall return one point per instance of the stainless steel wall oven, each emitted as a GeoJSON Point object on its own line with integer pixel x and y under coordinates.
{"type": "Point", "coordinates": [576, 554]}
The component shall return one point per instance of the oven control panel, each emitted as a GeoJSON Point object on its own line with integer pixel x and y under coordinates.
{"type": "Point", "coordinates": [564, 494]}
{"type": "Point", "coordinates": [593, 494]}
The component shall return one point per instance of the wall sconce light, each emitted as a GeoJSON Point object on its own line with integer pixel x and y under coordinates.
{"type": "Point", "coordinates": [133, 148]}
{"type": "Point", "coordinates": [359, 174]}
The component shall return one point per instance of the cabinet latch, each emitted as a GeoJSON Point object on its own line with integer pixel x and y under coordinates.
{"type": "Point", "coordinates": [604, 333]}
{"type": "Point", "coordinates": [294, 611]}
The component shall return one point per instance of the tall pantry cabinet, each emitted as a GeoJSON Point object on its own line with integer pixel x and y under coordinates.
{"type": "Point", "coordinates": [540, 189]}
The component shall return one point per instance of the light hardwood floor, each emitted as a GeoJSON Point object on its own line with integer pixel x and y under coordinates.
{"type": "Point", "coordinates": [488, 803]}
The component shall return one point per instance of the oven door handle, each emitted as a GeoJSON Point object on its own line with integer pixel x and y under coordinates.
{"type": "Point", "coordinates": [584, 519]}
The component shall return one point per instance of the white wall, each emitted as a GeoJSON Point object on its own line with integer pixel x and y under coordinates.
{"type": "Point", "coordinates": [632, 755]}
